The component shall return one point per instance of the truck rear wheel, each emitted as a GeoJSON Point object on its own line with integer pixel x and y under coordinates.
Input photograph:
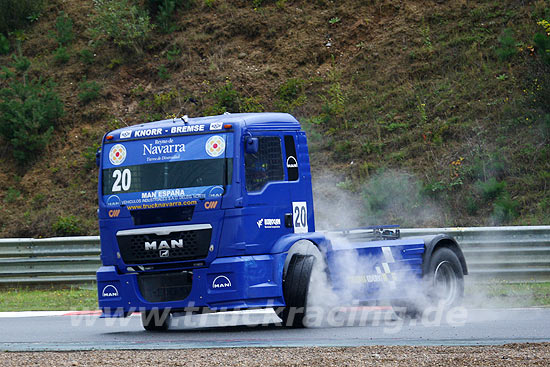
{"type": "Point", "coordinates": [443, 286]}
{"type": "Point", "coordinates": [155, 320]}
{"type": "Point", "coordinates": [446, 282]}
{"type": "Point", "coordinates": [295, 290]}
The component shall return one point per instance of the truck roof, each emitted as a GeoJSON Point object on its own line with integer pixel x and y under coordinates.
{"type": "Point", "coordinates": [177, 126]}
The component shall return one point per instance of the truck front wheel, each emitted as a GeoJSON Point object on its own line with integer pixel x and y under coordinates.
{"type": "Point", "coordinates": [155, 320]}
{"type": "Point", "coordinates": [295, 290]}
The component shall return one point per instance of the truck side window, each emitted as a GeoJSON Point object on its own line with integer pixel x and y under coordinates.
{"type": "Point", "coordinates": [264, 166]}
{"type": "Point", "coordinates": [291, 158]}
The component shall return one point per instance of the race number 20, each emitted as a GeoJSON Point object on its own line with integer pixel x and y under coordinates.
{"type": "Point", "coordinates": [299, 216]}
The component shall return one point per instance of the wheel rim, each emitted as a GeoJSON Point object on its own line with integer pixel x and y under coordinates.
{"type": "Point", "coordinates": [445, 283]}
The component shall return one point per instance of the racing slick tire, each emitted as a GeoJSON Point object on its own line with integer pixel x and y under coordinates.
{"type": "Point", "coordinates": [155, 320]}
{"type": "Point", "coordinates": [442, 286]}
{"type": "Point", "coordinates": [445, 279]}
{"type": "Point", "coordinates": [295, 290]}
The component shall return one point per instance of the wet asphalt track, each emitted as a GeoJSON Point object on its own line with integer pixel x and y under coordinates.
{"type": "Point", "coordinates": [88, 332]}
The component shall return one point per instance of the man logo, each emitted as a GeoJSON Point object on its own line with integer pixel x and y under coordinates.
{"type": "Point", "coordinates": [291, 162]}
{"type": "Point", "coordinates": [221, 281]}
{"type": "Point", "coordinates": [109, 291]}
{"type": "Point", "coordinates": [164, 253]}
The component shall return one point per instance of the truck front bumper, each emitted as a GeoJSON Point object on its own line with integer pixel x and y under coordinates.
{"type": "Point", "coordinates": [226, 284]}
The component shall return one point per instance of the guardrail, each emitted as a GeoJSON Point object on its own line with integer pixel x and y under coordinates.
{"type": "Point", "coordinates": [65, 260]}
{"type": "Point", "coordinates": [514, 254]}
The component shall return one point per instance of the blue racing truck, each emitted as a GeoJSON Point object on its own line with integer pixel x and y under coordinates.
{"type": "Point", "coordinates": [216, 213]}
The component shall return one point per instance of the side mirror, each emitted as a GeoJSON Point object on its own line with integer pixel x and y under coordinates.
{"type": "Point", "coordinates": [97, 156]}
{"type": "Point", "coordinates": [251, 145]}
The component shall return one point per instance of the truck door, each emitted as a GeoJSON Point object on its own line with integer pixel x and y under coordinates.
{"type": "Point", "coordinates": [267, 193]}
{"type": "Point", "coordinates": [272, 191]}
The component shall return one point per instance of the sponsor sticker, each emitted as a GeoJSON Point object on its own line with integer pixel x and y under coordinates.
{"type": "Point", "coordinates": [269, 223]}
{"type": "Point", "coordinates": [148, 132]}
{"type": "Point", "coordinates": [216, 126]}
{"type": "Point", "coordinates": [221, 281]}
{"type": "Point", "coordinates": [125, 134]}
{"type": "Point", "coordinates": [215, 146]}
{"type": "Point", "coordinates": [187, 129]}
{"type": "Point", "coordinates": [210, 204]}
{"type": "Point", "coordinates": [117, 154]}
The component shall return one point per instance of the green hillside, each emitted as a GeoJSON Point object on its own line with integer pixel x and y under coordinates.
{"type": "Point", "coordinates": [420, 113]}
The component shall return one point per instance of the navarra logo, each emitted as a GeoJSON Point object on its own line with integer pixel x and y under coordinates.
{"type": "Point", "coordinates": [215, 146]}
{"type": "Point", "coordinates": [117, 154]}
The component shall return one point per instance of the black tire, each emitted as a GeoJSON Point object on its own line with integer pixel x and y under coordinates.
{"type": "Point", "coordinates": [155, 320]}
{"type": "Point", "coordinates": [406, 309]}
{"type": "Point", "coordinates": [445, 279]}
{"type": "Point", "coordinates": [295, 290]}
{"type": "Point", "coordinates": [442, 286]}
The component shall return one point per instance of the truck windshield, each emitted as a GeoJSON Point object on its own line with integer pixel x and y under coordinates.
{"type": "Point", "coordinates": [145, 173]}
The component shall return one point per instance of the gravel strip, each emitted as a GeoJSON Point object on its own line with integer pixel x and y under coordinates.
{"type": "Point", "coordinates": [379, 356]}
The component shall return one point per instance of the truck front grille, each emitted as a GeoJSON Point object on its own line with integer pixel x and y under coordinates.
{"type": "Point", "coordinates": [137, 249]}
{"type": "Point", "coordinates": [165, 287]}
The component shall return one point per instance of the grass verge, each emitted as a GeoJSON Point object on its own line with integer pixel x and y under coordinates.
{"type": "Point", "coordinates": [501, 294]}
{"type": "Point", "coordinates": [492, 294]}
{"type": "Point", "coordinates": [48, 299]}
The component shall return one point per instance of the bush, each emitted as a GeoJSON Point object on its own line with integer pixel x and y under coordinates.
{"type": "Point", "coordinates": [86, 56]}
{"type": "Point", "coordinates": [490, 189]}
{"type": "Point", "coordinates": [28, 112]}
{"type": "Point", "coordinates": [122, 22]}
{"type": "Point", "coordinates": [507, 47]}
{"type": "Point", "coordinates": [227, 100]}
{"type": "Point", "coordinates": [163, 11]}
{"type": "Point", "coordinates": [505, 209]}
{"type": "Point", "coordinates": [163, 72]}
{"type": "Point", "coordinates": [21, 63]}
{"type": "Point", "coordinates": [12, 194]}
{"type": "Point", "coordinates": [89, 155]}
{"type": "Point", "coordinates": [61, 55]}
{"type": "Point", "coordinates": [15, 14]}
{"type": "Point", "coordinates": [252, 104]}
{"type": "Point", "coordinates": [4, 45]}
{"type": "Point", "coordinates": [542, 43]}
{"type": "Point", "coordinates": [291, 94]}
{"type": "Point", "coordinates": [67, 226]}
{"type": "Point", "coordinates": [89, 91]}
{"type": "Point", "coordinates": [63, 29]}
